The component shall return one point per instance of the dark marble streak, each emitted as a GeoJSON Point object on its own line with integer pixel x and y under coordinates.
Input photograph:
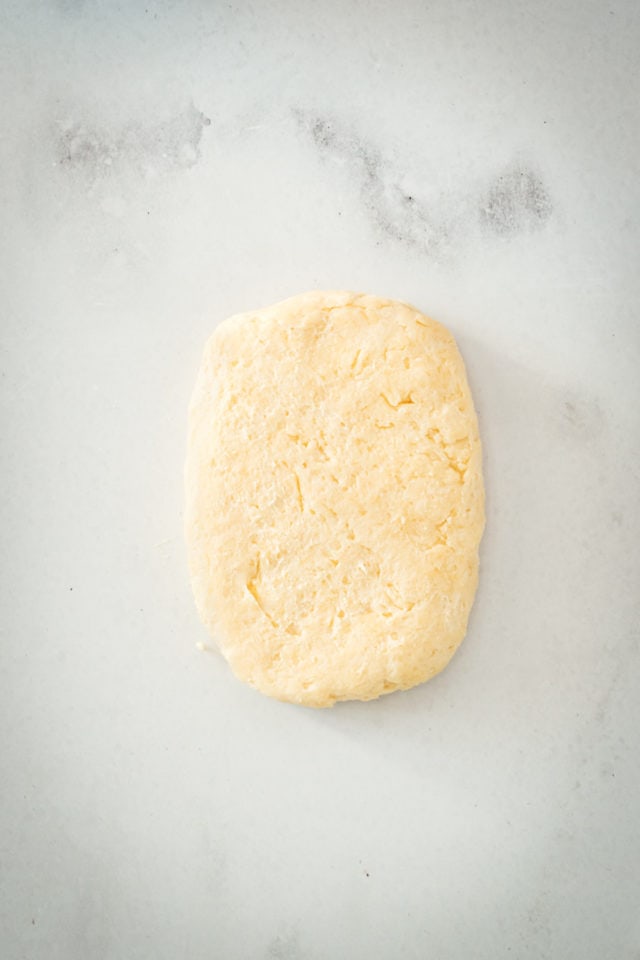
{"type": "Point", "coordinates": [510, 203]}
{"type": "Point", "coordinates": [517, 201]}
{"type": "Point", "coordinates": [396, 214]}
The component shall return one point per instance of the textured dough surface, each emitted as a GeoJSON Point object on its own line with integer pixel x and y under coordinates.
{"type": "Point", "coordinates": [334, 497]}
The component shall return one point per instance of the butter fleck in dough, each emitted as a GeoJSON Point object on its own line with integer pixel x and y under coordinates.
{"type": "Point", "coordinates": [334, 497]}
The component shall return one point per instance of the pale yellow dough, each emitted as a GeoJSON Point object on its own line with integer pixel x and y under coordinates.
{"type": "Point", "coordinates": [334, 497]}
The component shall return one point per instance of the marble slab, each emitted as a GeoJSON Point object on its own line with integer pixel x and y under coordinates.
{"type": "Point", "coordinates": [165, 164]}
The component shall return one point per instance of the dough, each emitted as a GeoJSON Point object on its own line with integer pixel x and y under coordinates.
{"type": "Point", "coordinates": [334, 497]}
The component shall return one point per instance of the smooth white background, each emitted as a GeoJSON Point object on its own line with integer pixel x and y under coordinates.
{"type": "Point", "coordinates": [164, 165]}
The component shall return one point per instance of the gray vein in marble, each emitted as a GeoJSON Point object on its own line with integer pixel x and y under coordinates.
{"type": "Point", "coordinates": [286, 947]}
{"type": "Point", "coordinates": [95, 151]}
{"type": "Point", "coordinates": [515, 201]}
{"type": "Point", "coordinates": [581, 417]}
{"type": "Point", "coordinates": [395, 213]}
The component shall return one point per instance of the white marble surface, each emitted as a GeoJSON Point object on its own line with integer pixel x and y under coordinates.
{"type": "Point", "coordinates": [163, 165]}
